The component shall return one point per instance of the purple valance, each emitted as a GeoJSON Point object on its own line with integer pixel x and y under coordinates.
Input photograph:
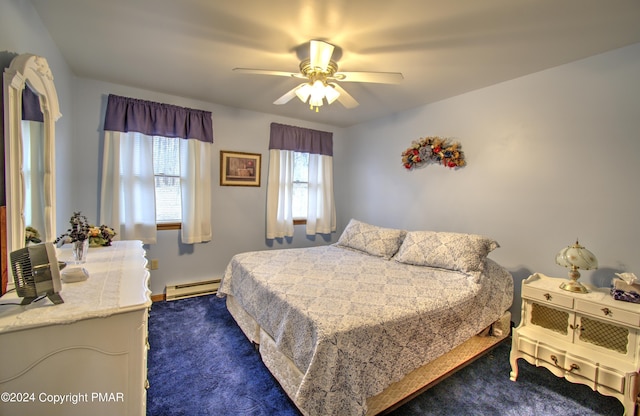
{"type": "Point", "coordinates": [302, 140]}
{"type": "Point", "coordinates": [31, 106]}
{"type": "Point", "coordinates": [156, 119]}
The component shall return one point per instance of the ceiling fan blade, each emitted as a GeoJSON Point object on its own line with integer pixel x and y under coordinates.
{"type": "Point", "coordinates": [345, 98]}
{"type": "Point", "coordinates": [373, 77]}
{"type": "Point", "coordinates": [268, 72]}
{"type": "Point", "coordinates": [320, 54]}
{"type": "Point", "coordinates": [287, 96]}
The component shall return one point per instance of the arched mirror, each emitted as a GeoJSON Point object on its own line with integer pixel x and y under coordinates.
{"type": "Point", "coordinates": [30, 149]}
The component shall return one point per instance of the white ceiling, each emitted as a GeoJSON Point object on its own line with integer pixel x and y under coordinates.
{"type": "Point", "coordinates": [442, 47]}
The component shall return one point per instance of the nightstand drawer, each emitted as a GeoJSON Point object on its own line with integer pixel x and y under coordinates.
{"type": "Point", "coordinates": [580, 367]}
{"type": "Point", "coordinates": [609, 312]}
{"type": "Point", "coordinates": [547, 296]}
{"type": "Point", "coordinates": [541, 351]}
{"type": "Point", "coordinates": [527, 346]}
{"type": "Point", "coordinates": [611, 378]}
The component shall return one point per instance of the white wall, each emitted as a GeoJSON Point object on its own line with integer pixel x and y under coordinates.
{"type": "Point", "coordinates": [552, 157]}
{"type": "Point", "coordinates": [237, 212]}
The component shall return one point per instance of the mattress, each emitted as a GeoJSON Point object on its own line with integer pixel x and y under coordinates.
{"type": "Point", "coordinates": [350, 324]}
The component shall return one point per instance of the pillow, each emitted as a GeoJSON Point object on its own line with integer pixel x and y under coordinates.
{"type": "Point", "coordinates": [452, 251]}
{"type": "Point", "coordinates": [371, 239]}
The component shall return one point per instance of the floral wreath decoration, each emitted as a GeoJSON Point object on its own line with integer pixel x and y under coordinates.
{"type": "Point", "coordinates": [433, 149]}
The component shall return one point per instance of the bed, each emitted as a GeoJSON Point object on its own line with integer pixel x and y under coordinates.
{"type": "Point", "coordinates": [354, 327]}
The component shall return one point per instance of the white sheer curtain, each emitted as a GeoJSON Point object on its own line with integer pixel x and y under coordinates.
{"type": "Point", "coordinates": [321, 212]}
{"type": "Point", "coordinates": [195, 183]}
{"type": "Point", "coordinates": [128, 188]}
{"type": "Point", "coordinates": [127, 202]}
{"type": "Point", "coordinates": [280, 194]}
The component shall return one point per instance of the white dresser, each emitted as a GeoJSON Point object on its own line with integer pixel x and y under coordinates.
{"type": "Point", "coordinates": [87, 355]}
{"type": "Point", "coordinates": [587, 338]}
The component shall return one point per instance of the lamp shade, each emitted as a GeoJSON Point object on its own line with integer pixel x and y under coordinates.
{"type": "Point", "coordinates": [331, 94]}
{"type": "Point", "coordinates": [304, 92]}
{"type": "Point", "coordinates": [576, 257]}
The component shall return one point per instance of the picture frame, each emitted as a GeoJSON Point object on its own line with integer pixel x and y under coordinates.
{"type": "Point", "coordinates": [239, 168]}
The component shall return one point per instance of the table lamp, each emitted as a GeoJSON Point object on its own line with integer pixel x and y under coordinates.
{"type": "Point", "coordinates": [576, 257]}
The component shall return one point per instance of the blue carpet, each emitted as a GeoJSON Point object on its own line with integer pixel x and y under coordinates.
{"type": "Point", "coordinates": [200, 363]}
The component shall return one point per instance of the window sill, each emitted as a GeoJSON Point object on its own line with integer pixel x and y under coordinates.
{"type": "Point", "coordinates": [168, 226]}
{"type": "Point", "coordinates": [178, 226]}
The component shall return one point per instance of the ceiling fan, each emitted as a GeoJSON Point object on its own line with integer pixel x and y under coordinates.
{"type": "Point", "coordinates": [321, 75]}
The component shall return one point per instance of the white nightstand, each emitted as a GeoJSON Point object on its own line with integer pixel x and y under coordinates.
{"type": "Point", "coordinates": [587, 338]}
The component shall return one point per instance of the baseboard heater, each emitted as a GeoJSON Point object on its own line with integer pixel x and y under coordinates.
{"type": "Point", "coordinates": [189, 290]}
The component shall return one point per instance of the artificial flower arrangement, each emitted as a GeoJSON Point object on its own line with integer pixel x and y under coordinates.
{"type": "Point", "coordinates": [81, 230]}
{"type": "Point", "coordinates": [31, 236]}
{"type": "Point", "coordinates": [101, 236]}
{"type": "Point", "coordinates": [433, 149]}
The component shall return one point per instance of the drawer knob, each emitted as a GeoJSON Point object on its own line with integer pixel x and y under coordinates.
{"type": "Point", "coordinates": [606, 311]}
{"type": "Point", "coordinates": [547, 296]}
{"type": "Point", "coordinates": [573, 366]}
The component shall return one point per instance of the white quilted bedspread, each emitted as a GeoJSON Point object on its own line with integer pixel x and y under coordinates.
{"type": "Point", "coordinates": [354, 323]}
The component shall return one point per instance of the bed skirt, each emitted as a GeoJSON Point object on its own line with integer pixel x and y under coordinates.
{"type": "Point", "coordinates": [397, 393]}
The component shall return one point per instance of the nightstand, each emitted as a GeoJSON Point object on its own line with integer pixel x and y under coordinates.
{"type": "Point", "coordinates": [587, 338]}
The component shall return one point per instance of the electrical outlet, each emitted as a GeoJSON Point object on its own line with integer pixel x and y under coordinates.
{"type": "Point", "coordinates": [154, 264]}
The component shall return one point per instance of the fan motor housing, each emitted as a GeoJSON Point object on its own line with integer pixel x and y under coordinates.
{"type": "Point", "coordinates": [310, 72]}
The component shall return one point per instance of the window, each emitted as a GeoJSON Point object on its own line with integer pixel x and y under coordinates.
{"type": "Point", "coordinates": [176, 184]}
{"type": "Point", "coordinates": [300, 186]}
{"type": "Point", "coordinates": [300, 181]}
{"type": "Point", "coordinates": [166, 172]}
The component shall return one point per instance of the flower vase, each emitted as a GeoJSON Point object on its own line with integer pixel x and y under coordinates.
{"type": "Point", "coordinates": [79, 249]}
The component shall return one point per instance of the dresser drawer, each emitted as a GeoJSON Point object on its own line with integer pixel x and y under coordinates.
{"type": "Point", "coordinates": [609, 312]}
{"type": "Point", "coordinates": [546, 296]}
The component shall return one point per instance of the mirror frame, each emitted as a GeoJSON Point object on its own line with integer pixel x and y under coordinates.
{"type": "Point", "coordinates": [32, 70]}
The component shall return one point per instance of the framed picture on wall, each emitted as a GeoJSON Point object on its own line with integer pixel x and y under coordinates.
{"type": "Point", "coordinates": [239, 168]}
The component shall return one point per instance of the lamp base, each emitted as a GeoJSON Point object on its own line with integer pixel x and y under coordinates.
{"type": "Point", "coordinates": [573, 286]}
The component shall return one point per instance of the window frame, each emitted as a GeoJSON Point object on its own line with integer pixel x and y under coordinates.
{"type": "Point", "coordinates": [161, 226]}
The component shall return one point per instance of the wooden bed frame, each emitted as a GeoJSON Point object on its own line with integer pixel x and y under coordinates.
{"type": "Point", "coordinates": [397, 393]}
